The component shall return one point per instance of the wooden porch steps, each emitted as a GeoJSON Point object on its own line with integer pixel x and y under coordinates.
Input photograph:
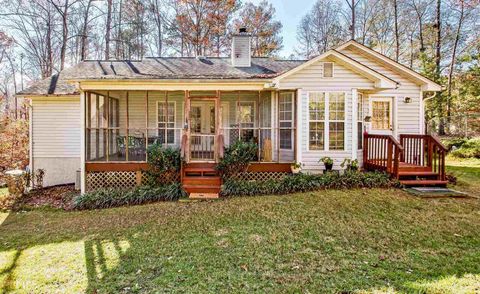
{"type": "Point", "coordinates": [417, 160]}
{"type": "Point", "coordinates": [201, 180]}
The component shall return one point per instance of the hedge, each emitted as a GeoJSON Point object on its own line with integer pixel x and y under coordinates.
{"type": "Point", "coordinates": [308, 182]}
{"type": "Point", "coordinates": [105, 198]}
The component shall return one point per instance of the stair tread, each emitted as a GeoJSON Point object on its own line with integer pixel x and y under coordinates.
{"type": "Point", "coordinates": [417, 173]}
{"type": "Point", "coordinates": [423, 182]}
{"type": "Point", "coordinates": [203, 195]}
{"type": "Point", "coordinates": [201, 186]}
{"type": "Point", "coordinates": [199, 169]}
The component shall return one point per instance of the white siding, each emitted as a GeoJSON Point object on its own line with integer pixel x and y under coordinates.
{"type": "Point", "coordinates": [56, 138]}
{"type": "Point", "coordinates": [56, 127]}
{"type": "Point", "coordinates": [408, 116]}
{"type": "Point", "coordinates": [311, 79]}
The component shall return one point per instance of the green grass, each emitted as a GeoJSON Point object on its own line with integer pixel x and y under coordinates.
{"type": "Point", "coordinates": [328, 241]}
{"type": "Point", "coordinates": [468, 173]}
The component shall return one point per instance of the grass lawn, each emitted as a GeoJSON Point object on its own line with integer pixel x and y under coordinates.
{"type": "Point", "coordinates": [328, 241]}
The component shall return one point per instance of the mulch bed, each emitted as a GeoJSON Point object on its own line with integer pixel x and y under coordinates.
{"type": "Point", "coordinates": [60, 197]}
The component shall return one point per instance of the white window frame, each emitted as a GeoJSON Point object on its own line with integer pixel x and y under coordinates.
{"type": "Point", "coordinates": [292, 121]}
{"type": "Point", "coordinates": [360, 117]}
{"type": "Point", "coordinates": [324, 122]}
{"type": "Point", "coordinates": [174, 122]}
{"type": "Point", "coordinates": [333, 70]}
{"type": "Point", "coordinates": [327, 122]}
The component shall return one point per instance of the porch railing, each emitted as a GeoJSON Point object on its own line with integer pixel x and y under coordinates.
{"type": "Point", "coordinates": [424, 150]}
{"type": "Point", "coordinates": [202, 147]}
{"type": "Point", "coordinates": [381, 152]}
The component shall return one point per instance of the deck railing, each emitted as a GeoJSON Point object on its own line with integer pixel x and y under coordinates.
{"type": "Point", "coordinates": [424, 150]}
{"type": "Point", "coordinates": [381, 152]}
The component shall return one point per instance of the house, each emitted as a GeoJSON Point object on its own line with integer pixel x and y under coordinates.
{"type": "Point", "coordinates": [99, 116]}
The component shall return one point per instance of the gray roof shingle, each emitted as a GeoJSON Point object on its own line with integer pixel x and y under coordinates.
{"type": "Point", "coordinates": [170, 68]}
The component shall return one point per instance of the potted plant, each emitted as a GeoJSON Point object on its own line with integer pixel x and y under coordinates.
{"type": "Point", "coordinates": [349, 164]}
{"type": "Point", "coordinates": [328, 162]}
{"type": "Point", "coordinates": [296, 167]}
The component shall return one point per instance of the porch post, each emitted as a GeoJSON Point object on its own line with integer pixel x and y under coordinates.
{"type": "Point", "coordinates": [354, 123]}
{"type": "Point", "coordinates": [298, 123]}
{"type": "Point", "coordinates": [82, 143]}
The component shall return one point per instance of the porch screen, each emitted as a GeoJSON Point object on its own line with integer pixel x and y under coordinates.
{"type": "Point", "coordinates": [121, 125]}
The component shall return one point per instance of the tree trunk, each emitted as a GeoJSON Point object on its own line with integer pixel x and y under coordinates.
{"type": "Point", "coordinates": [108, 29]}
{"type": "Point", "coordinates": [452, 61]}
{"type": "Point", "coordinates": [438, 46]}
{"type": "Point", "coordinates": [352, 27]}
{"type": "Point", "coordinates": [84, 38]}
{"type": "Point", "coordinates": [397, 38]}
{"type": "Point", "coordinates": [63, 50]}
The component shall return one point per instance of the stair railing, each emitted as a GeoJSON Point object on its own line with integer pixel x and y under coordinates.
{"type": "Point", "coordinates": [424, 150]}
{"type": "Point", "coordinates": [381, 152]}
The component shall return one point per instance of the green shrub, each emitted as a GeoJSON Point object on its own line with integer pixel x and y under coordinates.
{"type": "Point", "coordinates": [162, 162]}
{"type": "Point", "coordinates": [454, 142]}
{"type": "Point", "coordinates": [105, 198]}
{"type": "Point", "coordinates": [469, 149]}
{"type": "Point", "coordinates": [236, 158]}
{"type": "Point", "coordinates": [308, 182]}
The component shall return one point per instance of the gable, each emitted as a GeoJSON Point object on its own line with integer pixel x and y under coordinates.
{"type": "Point", "coordinates": [387, 66]}
{"type": "Point", "coordinates": [312, 77]}
{"type": "Point", "coordinates": [380, 81]}
{"type": "Point", "coordinates": [405, 83]}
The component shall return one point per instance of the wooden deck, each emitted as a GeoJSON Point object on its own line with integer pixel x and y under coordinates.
{"type": "Point", "coordinates": [417, 160]}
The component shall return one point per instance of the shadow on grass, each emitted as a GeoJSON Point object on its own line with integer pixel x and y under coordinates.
{"type": "Point", "coordinates": [267, 247]}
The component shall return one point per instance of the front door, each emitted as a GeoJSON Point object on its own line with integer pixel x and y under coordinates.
{"type": "Point", "coordinates": [381, 116]}
{"type": "Point", "coordinates": [202, 130]}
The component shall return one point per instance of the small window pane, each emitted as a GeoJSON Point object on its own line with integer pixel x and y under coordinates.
{"type": "Point", "coordinates": [166, 123]}
{"type": "Point", "coordinates": [316, 106]}
{"type": "Point", "coordinates": [337, 106]}
{"type": "Point", "coordinates": [247, 114]}
{"type": "Point", "coordinates": [328, 69]}
{"type": "Point", "coordinates": [337, 134]}
{"type": "Point", "coordinates": [285, 139]}
{"type": "Point", "coordinates": [316, 135]}
{"type": "Point", "coordinates": [360, 135]}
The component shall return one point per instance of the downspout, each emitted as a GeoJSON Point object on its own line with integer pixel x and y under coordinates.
{"type": "Point", "coordinates": [423, 110]}
{"type": "Point", "coordinates": [30, 140]}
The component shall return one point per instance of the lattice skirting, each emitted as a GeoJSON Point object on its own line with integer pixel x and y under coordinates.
{"type": "Point", "coordinates": [124, 179]}
{"type": "Point", "coordinates": [262, 176]}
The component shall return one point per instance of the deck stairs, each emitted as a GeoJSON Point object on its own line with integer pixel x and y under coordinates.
{"type": "Point", "coordinates": [415, 160]}
{"type": "Point", "coordinates": [201, 180]}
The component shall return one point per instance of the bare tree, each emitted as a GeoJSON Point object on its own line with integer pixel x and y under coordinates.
{"type": "Point", "coordinates": [352, 4]}
{"type": "Point", "coordinates": [108, 27]}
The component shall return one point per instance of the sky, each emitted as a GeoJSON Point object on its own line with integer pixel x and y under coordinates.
{"type": "Point", "coordinates": [289, 13]}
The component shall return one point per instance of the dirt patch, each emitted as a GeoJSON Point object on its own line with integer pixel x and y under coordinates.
{"type": "Point", "coordinates": [60, 197]}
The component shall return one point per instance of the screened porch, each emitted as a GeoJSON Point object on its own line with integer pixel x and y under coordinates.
{"type": "Point", "coordinates": [121, 125]}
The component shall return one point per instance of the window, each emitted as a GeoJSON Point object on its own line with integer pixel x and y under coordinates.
{"type": "Point", "coordinates": [285, 112]}
{"type": "Point", "coordinates": [246, 119]}
{"type": "Point", "coordinates": [316, 110]}
{"type": "Point", "coordinates": [336, 121]}
{"type": "Point", "coordinates": [247, 114]}
{"type": "Point", "coordinates": [328, 69]}
{"type": "Point", "coordinates": [360, 114]}
{"type": "Point", "coordinates": [381, 115]}
{"type": "Point", "coordinates": [166, 123]}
